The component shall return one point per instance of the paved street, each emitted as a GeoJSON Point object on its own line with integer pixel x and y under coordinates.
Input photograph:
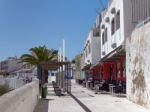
{"type": "Point", "coordinates": [58, 104]}
{"type": "Point", "coordinates": [94, 102]}
{"type": "Point", "coordinates": [103, 102]}
{"type": "Point", "coordinates": [61, 104]}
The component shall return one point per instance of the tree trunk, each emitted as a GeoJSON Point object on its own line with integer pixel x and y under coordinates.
{"type": "Point", "coordinates": [46, 76]}
{"type": "Point", "coordinates": [42, 75]}
{"type": "Point", "coordinates": [39, 74]}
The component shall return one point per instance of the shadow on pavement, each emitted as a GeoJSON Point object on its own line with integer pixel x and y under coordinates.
{"type": "Point", "coordinates": [42, 105]}
{"type": "Point", "coordinates": [80, 103]}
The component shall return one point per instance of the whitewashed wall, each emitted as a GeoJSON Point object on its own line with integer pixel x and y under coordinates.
{"type": "Point", "coordinates": [118, 36]}
{"type": "Point", "coordinates": [95, 49]}
{"type": "Point", "coordinates": [2, 82]}
{"type": "Point", "coordinates": [13, 83]}
{"type": "Point", "coordinates": [138, 66]}
{"type": "Point", "coordinates": [89, 56]}
{"type": "Point", "coordinates": [23, 99]}
{"type": "Point", "coordinates": [94, 55]}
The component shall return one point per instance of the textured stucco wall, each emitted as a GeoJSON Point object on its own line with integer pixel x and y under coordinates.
{"type": "Point", "coordinates": [138, 66]}
{"type": "Point", "coordinates": [23, 99]}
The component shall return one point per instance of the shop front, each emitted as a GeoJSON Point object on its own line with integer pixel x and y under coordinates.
{"type": "Point", "coordinates": [113, 69]}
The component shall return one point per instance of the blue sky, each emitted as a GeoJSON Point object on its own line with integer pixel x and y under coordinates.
{"type": "Point", "coordinates": [29, 23]}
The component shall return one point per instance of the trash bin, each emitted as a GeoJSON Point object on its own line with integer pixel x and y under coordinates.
{"type": "Point", "coordinates": [44, 91]}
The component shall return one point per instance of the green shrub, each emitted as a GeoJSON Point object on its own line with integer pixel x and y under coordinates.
{"type": "Point", "coordinates": [4, 89]}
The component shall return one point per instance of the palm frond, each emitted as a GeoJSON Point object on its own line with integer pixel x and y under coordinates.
{"type": "Point", "coordinates": [40, 54]}
{"type": "Point", "coordinates": [29, 59]}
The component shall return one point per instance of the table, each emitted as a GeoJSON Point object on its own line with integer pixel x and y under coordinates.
{"type": "Point", "coordinates": [112, 88]}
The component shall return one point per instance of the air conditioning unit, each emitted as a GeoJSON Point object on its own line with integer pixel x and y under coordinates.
{"type": "Point", "coordinates": [103, 53]}
{"type": "Point", "coordinates": [114, 45]}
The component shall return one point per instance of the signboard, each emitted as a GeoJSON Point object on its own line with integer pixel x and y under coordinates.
{"type": "Point", "coordinates": [69, 72]}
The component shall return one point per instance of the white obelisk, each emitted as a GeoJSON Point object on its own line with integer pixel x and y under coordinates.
{"type": "Point", "coordinates": [60, 57]}
{"type": "Point", "coordinates": [64, 74]}
{"type": "Point", "coordinates": [64, 54]}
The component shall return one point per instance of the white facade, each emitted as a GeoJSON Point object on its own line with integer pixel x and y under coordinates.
{"type": "Point", "coordinates": [92, 45]}
{"type": "Point", "coordinates": [27, 71]}
{"type": "Point", "coordinates": [12, 82]}
{"type": "Point", "coordinates": [10, 65]}
{"type": "Point", "coordinates": [52, 76]}
{"type": "Point", "coordinates": [91, 49]}
{"type": "Point", "coordinates": [119, 20]}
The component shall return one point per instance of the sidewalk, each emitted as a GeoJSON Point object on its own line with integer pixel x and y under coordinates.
{"type": "Point", "coordinates": [104, 103]}
{"type": "Point", "coordinates": [58, 104]}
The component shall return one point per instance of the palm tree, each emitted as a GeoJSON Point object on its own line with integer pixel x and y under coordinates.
{"type": "Point", "coordinates": [37, 55]}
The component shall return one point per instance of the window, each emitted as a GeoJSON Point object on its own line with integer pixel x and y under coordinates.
{"type": "Point", "coordinates": [118, 20]}
{"type": "Point", "coordinates": [112, 26]}
{"type": "Point", "coordinates": [89, 48]}
{"type": "Point", "coordinates": [103, 38]}
{"type": "Point", "coordinates": [86, 52]}
{"type": "Point", "coordinates": [96, 32]}
{"type": "Point", "coordinates": [106, 35]}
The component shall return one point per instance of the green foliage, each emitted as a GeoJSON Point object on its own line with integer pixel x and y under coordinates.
{"type": "Point", "coordinates": [39, 54]}
{"type": "Point", "coordinates": [4, 89]}
{"type": "Point", "coordinates": [78, 62]}
{"type": "Point", "coordinates": [73, 61]}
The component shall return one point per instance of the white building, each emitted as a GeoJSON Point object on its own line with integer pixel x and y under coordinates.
{"type": "Point", "coordinates": [27, 71]}
{"type": "Point", "coordinates": [91, 54]}
{"type": "Point", "coordinates": [52, 76]}
{"type": "Point", "coordinates": [10, 65]}
{"type": "Point", "coordinates": [15, 67]}
{"type": "Point", "coordinates": [92, 45]}
{"type": "Point", "coordinates": [119, 20]}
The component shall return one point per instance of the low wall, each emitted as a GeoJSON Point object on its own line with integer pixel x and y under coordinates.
{"type": "Point", "coordinates": [12, 83]}
{"type": "Point", "coordinates": [138, 66]}
{"type": "Point", "coordinates": [23, 99]}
